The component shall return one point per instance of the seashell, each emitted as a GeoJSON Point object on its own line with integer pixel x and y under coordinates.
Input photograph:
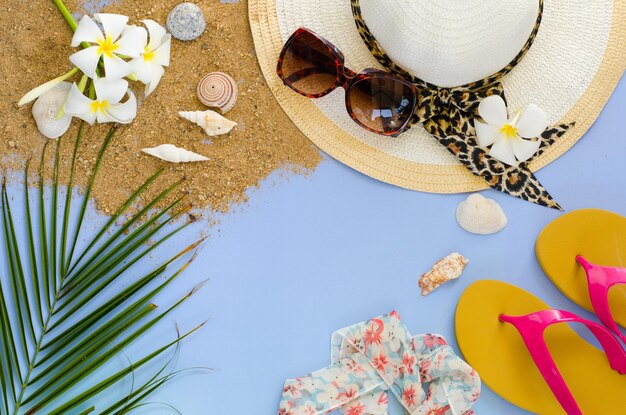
{"type": "Point", "coordinates": [46, 109]}
{"type": "Point", "coordinates": [186, 21]}
{"type": "Point", "coordinates": [446, 269]}
{"type": "Point", "coordinates": [218, 89]}
{"type": "Point", "coordinates": [173, 154]}
{"type": "Point", "coordinates": [481, 216]}
{"type": "Point", "coordinates": [212, 123]}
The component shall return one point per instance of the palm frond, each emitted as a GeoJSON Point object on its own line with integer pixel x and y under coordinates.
{"type": "Point", "coordinates": [59, 327]}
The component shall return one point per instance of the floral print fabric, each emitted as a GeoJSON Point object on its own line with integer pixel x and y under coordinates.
{"type": "Point", "coordinates": [377, 359]}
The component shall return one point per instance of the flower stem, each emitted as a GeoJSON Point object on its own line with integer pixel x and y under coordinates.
{"type": "Point", "coordinates": [83, 83]}
{"type": "Point", "coordinates": [66, 14]}
{"type": "Point", "coordinates": [92, 91]}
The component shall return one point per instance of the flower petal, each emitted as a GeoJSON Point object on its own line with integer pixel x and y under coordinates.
{"type": "Point", "coordinates": [524, 149]}
{"type": "Point", "coordinates": [157, 74]}
{"type": "Point", "coordinates": [502, 151]}
{"type": "Point", "coordinates": [116, 68]}
{"type": "Point", "coordinates": [533, 122]}
{"type": "Point", "coordinates": [162, 54]}
{"type": "Point", "coordinates": [486, 133]}
{"type": "Point", "coordinates": [111, 90]}
{"type": "Point", "coordinates": [87, 31]}
{"type": "Point", "coordinates": [126, 112]}
{"type": "Point", "coordinates": [140, 34]}
{"type": "Point", "coordinates": [142, 69]}
{"type": "Point", "coordinates": [128, 45]}
{"type": "Point", "coordinates": [114, 24]}
{"type": "Point", "coordinates": [157, 33]}
{"type": "Point", "coordinates": [87, 61]}
{"type": "Point", "coordinates": [493, 110]}
{"type": "Point", "coordinates": [43, 88]}
{"type": "Point", "coordinates": [104, 117]}
{"type": "Point", "coordinates": [79, 105]}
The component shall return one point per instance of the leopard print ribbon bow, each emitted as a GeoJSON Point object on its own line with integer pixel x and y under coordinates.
{"type": "Point", "coordinates": [448, 115]}
{"type": "Point", "coordinates": [442, 110]}
{"type": "Point", "coordinates": [377, 359]}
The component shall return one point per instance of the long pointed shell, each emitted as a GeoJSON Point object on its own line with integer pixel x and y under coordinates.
{"type": "Point", "coordinates": [212, 122]}
{"type": "Point", "coordinates": [444, 270]}
{"type": "Point", "coordinates": [481, 216]}
{"type": "Point", "coordinates": [46, 109]}
{"type": "Point", "coordinates": [218, 89]}
{"type": "Point", "coordinates": [173, 154]}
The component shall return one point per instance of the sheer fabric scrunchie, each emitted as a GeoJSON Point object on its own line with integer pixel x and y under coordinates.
{"type": "Point", "coordinates": [379, 359]}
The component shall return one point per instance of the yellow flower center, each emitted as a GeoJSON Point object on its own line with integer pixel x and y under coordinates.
{"type": "Point", "coordinates": [509, 131]}
{"type": "Point", "coordinates": [97, 106]}
{"type": "Point", "coordinates": [107, 47]}
{"type": "Point", "coordinates": [148, 55]}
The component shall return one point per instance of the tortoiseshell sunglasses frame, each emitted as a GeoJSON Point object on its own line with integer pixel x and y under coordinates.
{"type": "Point", "coordinates": [347, 79]}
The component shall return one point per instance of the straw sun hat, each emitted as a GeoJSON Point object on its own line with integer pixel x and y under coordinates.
{"type": "Point", "coordinates": [570, 69]}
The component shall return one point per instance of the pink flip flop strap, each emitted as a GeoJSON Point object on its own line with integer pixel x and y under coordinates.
{"type": "Point", "coordinates": [532, 326]}
{"type": "Point", "coordinates": [600, 279]}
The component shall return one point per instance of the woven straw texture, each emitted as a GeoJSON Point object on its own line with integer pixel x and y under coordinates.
{"type": "Point", "coordinates": [416, 160]}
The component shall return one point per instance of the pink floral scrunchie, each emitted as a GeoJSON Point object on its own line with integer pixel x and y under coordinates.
{"type": "Point", "coordinates": [379, 357]}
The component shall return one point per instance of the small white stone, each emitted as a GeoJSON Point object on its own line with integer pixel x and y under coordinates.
{"type": "Point", "coordinates": [186, 22]}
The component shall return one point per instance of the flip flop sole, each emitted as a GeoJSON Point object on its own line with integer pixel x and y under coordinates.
{"type": "Point", "coordinates": [499, 355]}
{"type": "Point", "coordinates": [599, 236]}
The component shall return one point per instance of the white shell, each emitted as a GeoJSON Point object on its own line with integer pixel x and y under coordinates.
{"type": "Point", "coordinates": [212, 122]}
{"type": "Point", "coordinates": [173, 154]}
{"type": "Point", "coordinates": [444, 270]}
{"type": "Point", "coordinates": [46, 109]}
{"type": "Point", "coordinates": [481, 216]}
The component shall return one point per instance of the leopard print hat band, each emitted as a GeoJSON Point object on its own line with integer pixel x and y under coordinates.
{"type": "Point", "coordinates": [379, 53]}
{"type": "Point", "coordinates": [448, 115]}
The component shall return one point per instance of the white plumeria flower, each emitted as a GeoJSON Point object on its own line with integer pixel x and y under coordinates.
{"type": "Point", "coordinates": [155, 54]}
{"type": "Point", "coordinates": [510, 139]}
{"type": "Point", "coordinates": [106, 107]}
{"type": "Point", "coordinates": [111, 46]}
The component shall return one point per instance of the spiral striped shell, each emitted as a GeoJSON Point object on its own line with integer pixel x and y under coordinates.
{"type": "Point", "coordinates": [218, 89]}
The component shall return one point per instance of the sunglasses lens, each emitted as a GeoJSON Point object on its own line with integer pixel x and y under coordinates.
{"type": "Point", "coordinates": [381, 104]}
{"type": "Point", "coordinates": [309, 66]}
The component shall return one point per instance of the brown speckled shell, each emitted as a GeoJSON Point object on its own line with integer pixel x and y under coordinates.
{"type": "Point", "coordinates": [446, 269]}
{"type": "Point", "coordinates": [218, 89]}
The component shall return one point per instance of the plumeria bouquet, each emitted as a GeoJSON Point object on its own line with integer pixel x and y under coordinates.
{"type": "Point", "coordinates": [112, 52]}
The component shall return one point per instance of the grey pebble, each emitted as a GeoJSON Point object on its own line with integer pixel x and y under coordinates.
{"type": "Point", "coordinates": [186, 22]}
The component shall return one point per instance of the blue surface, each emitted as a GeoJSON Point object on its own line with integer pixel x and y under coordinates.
{"type": "Point", "coordinates": [311, 255]}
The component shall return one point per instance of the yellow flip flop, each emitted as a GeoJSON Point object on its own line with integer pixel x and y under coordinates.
{"type": "Point", "coordinates": [502, 359]}
{"type": "Point", "coordinates": [599, 236]}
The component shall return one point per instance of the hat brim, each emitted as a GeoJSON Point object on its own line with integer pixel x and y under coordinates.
{"type": "Point", "coordinates": [388, 166]}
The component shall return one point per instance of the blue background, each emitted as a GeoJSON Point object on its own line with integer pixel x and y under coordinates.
{"type": "Point", "coordinates": [309, 255]}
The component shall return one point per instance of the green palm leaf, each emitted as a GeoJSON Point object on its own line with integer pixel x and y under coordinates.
{"type": "Point", "coordinates": [54, 344]}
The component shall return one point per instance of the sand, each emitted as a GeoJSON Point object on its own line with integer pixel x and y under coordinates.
{"type": "Point", "coordinates": [35, 46]}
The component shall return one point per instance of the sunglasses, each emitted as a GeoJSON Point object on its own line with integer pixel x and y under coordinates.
{"type": "Point", "coordinates": [376, 100]}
